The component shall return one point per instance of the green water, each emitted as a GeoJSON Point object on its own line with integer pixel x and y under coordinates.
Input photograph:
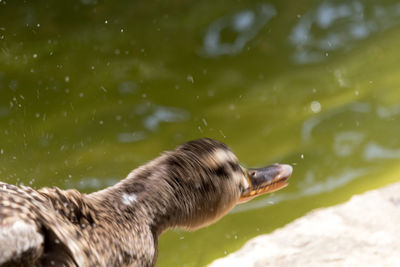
{"type": "Point", "coordinates": [90, 90]}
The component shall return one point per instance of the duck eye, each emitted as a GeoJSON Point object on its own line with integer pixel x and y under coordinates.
{"type": "Point", "coordinates": [222, 172]}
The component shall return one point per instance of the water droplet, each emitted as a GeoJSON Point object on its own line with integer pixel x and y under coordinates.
{"type": "Point", "coordinates": [190, 78]}
{"type": "Point", "coordinates": [315, 106]}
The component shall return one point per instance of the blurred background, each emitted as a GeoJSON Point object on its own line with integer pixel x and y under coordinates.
{"type": "Point", "coordinates": [91, 89]}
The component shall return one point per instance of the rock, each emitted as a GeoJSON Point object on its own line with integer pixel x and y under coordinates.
{"type": "Point", "coordinates": [365, 231]}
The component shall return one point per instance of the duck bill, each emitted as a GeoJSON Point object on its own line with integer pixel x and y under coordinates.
{"type": "Point", "coordinates": [265, 180]}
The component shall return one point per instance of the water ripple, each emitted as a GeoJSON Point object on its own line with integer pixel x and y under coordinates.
{"type": "Point", "coordinates": [244, 25]}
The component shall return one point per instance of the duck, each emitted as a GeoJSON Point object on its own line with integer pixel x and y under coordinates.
{"type": "Point", "coordinates": [189, 187]}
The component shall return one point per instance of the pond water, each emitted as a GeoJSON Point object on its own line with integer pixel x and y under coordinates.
{"type": "Point", "coordinates": [92, 89]}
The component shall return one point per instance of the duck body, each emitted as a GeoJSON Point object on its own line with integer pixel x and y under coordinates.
{"type": "Point", "coordinates": [189, 187]}
{"type": "Point", "coordinates": [52, 227]}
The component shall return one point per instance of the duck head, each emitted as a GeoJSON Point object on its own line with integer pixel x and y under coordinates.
{"type": "Point", "coordinates": [202, 180]}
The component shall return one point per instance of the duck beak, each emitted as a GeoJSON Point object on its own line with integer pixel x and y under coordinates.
{"type": "Point", "coordinates": [265, 180]}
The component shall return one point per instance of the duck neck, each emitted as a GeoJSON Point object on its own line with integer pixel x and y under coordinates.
{"type": "Point", "coordinates": [146, 197]}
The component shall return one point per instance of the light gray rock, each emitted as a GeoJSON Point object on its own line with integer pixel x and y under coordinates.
{"type": "Point", "coordinates": [365, 231]}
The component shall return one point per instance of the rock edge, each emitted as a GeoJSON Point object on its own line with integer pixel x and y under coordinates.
{"type": "Point", "coordinates": [364, 231]}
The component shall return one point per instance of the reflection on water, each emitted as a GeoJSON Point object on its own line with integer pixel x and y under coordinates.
{"type": "Point", "coordinates": [330, 183]}
{"type": "Point", "coordinates": [388, 112]}
{"type": "Point", "coordinates": [335, 25]}
{"type": "Point", "coordinates": [374, 151]}
{"type": "Point", "coordinates": [151, 116]}
{"type": "Point", "coordinates": [164, 114]}
{"type": "Point", "coordinates": [243, 26]}
{"type": "Point", "coordinates": [346, 142]}
{"type": "Point", "coordinates": [127, 87]}
{"type": "Point", "coordinates": [131, 137]}
{"type": "Point", "coordinates": [154, 115]}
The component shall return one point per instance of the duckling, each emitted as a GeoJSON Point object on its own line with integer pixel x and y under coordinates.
{"type": "Point", "coordinates": [189, 187]}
